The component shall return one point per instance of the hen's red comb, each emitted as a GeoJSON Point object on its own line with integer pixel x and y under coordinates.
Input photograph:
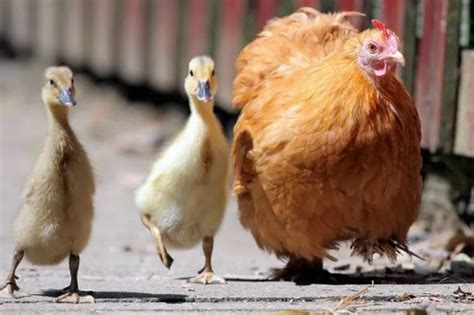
{"type": "Point", "coordinates": [378, 24]}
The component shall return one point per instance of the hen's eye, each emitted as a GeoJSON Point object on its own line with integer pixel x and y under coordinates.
{"type": "Point", "coordinates": [191, 73]}
{"type": "Point", "coordinates": [52, 83]}
{"type": "Point", "coordinates": [372, 47]}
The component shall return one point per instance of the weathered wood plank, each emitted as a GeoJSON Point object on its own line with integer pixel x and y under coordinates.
{"type": "Point", "coordinates": [464, 143]}
{"type": "Point", "coordinates": [229, 44]}
{"type": "Point", "coordinates": [181, 30]}
{"type": "Point", "coordinates": [392, 13]}
{"type": "Point", "coordinates": [132, 44]}
{"type": "Point", "coordinates": [72, 48]}
{"type": "Point", "coordinates": [163, 39]}
{"type": "Point", "coordinates": [195, 35]}
{"type": "Point", "coordinates": [429, 79]}
{"type": "Point", "coordinates": [196, 39]}
{"type": "Point", "coordinates": [3, 18]}
{"type": "Point", "coordinates": [400, 15]}
{"type": "Point", "coordinates": [47, 31]}
{"type": "Point", "coordinates": [328, 5]}
{"type": "Point", "coordinates": [450, 79]}
{"type": "Point", "coordinates": [20, 26]}
{"type": "Point", "coordinates": [409, 44]}
{"type": "Point", "coordinates": [103, 52]}
{"type": "Point", "coordinates": [286, 7]}
{"type": "Point", "coordinates": [265, 11]}
{"type": "Point", "coordinates": [309, 3]}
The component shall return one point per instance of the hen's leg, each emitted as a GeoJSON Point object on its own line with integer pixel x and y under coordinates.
{"type": "Point", "coordinates": [302, 271]}
{"type": "Point", "coordinates": [206, 274]}
{"type": "Point", "coordinates": [166, 259]}
{"type": "Point", "coordinates": [10, 284]}
{"type": "Point", "coordinates": [72, 294]}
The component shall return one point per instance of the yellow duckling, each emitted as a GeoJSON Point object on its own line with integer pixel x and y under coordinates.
{"type": "Point", "coordinates": [184, 198]}
{"type": "Point", "coordinates": [55, 219]}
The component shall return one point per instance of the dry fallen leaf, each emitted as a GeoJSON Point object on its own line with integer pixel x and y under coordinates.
{"type": "Point", "coordinates": [150, 276]}
{"type": "Point", "coordinates": [355, 298]}
{"type": "Point", "coordinates": [460, 293]}
{"type": "Point", "coordinates": [404, 297]}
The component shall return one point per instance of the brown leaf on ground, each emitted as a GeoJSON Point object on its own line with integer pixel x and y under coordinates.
{"type": "Point", "coordinates": [350, 300]}
{"type": "Point", "coordinates": [461, 243]}
{"type": "Point", "coordinates": [460, 293]}
{"type": "Point", "coordinates": [404, 297]}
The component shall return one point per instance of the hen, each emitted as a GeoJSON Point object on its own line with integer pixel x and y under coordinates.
{"type": "Point", "coordinates": [327, 146]}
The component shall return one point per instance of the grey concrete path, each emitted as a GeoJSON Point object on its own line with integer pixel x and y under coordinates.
{"type": "Point", "coordinates": [120, 265]}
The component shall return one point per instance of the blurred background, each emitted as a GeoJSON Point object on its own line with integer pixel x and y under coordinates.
{"type": "Point", "coordinates": [131, 58]}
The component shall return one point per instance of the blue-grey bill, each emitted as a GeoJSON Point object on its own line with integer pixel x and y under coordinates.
{"type": "Point", "coordinates": [204, 92]}
{"type": "Point", "coordinates": [66, 98]}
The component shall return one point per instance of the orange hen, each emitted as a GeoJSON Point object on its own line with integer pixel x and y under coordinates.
{"type": "Point", "coordinates": [327, 146]}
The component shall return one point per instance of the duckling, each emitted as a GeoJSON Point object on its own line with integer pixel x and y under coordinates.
{"type": "Point", "coordinates": [55, 219]}
{"type": "Point", "coordinates": [184, 197]}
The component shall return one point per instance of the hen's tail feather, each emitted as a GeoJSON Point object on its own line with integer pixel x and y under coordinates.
{"type": "Point", "coordinates": [389, 248]}
{"type": "Point", "coordinates": [341, 17]}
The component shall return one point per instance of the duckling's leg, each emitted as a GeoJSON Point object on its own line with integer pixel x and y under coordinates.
{"type": "Point", "coordinates": [166, 259]}
{"type": "Point", "coordinates": [206, 274]}
{"type": "Point", "coordinates": [10, 284]}
{"type": "Point", "coordinates": [72, 294]}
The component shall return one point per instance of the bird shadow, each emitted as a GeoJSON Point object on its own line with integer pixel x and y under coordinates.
{"type": "Point", "coordinates": [384, 277]}
{"type": "Point", "coordinates": [120, 296]}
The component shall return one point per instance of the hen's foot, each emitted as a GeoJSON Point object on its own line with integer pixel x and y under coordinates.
{"type": "Point", "coordinates": [11, 286]}
{"type": "Point", "coordinates": [74, 297]}
{"type": "Point", "coordinates": [302, 271]}
{"type": "Point", "coordinates": [207, 277]}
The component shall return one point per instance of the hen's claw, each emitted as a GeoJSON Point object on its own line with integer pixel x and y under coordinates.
{"type": "Point", "coordinates": [207, 277]}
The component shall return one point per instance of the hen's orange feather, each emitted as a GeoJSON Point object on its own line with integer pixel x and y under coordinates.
{"type": "Point", "coordinates": [321, 152]}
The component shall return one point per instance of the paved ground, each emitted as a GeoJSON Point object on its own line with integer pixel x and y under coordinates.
{"type": "Point", "coordinates": [120, 265]}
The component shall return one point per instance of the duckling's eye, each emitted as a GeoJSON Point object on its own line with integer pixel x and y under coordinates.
{"type": "Point", "coordinates": [213, 72]}
{"type": "Point", "coordinates": [52, 83]}
{"type": "Point", "coordinates": [191, 73]}
{"type": "Point", "coordinates": [372, 48]}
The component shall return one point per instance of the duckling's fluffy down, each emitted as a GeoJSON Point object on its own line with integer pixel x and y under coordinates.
{"type": "Point", "coordinates": [56, 217]}
{"type": "Point", "coordinates": [186, 192]}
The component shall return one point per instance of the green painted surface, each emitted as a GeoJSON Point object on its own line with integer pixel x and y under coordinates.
{"type": "Point", "coordinates": [409, 45]}
{"type": "Point", "coordinates": [450, 77]}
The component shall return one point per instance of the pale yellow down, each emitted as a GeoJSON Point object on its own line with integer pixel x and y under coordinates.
{"type": "Point", "coordinates": [185, 193]}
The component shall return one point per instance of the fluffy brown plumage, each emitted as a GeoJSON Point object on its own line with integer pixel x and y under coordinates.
{"type": "Point", "coordinates": [325, 150]}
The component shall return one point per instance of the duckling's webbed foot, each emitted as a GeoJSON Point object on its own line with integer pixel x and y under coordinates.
{"type": "Point", "coordinates": [206, 274]}
{"type": "Point", "coordinates": [72, 294]}
{"type": "Point", "coordinates": [165, 258]}
{"type": "Point", "coordinates": [207, 277]}
{"type": "Point", "coordinates": [10, 284]}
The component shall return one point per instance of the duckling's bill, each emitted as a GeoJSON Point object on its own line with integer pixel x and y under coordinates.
{"type": "Point", "coordinates": [204, 91]}
{"type": "Point", "coordinates": [66, 98]}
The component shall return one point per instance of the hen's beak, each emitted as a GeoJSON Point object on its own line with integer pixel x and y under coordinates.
{"type": "Point", "coordinates": [397, 57]}
{"type": "Point", "coordinates": [66, 98]}
{"type": "Point", "coordinates": [204, 91]}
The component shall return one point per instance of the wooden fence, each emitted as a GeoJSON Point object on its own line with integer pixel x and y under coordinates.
{"type": "Point", "coordinates": [151, 41]}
